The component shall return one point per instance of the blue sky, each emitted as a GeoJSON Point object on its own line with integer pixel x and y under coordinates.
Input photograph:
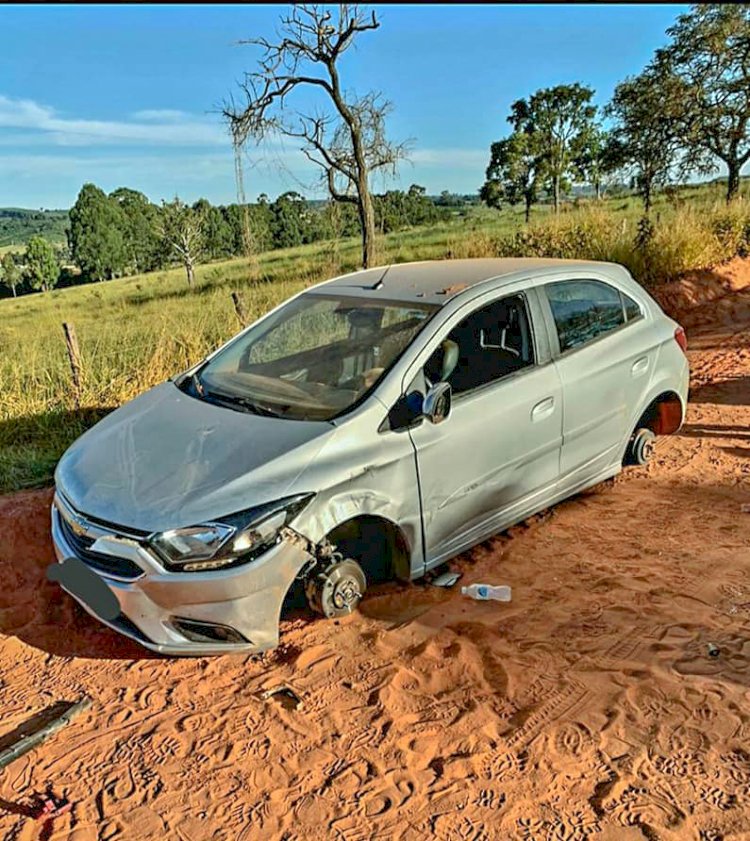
{"type": "Point", "coordinates": [127, 95]}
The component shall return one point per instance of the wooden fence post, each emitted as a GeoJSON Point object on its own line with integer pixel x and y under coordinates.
{"type": "Point", "coordinates": [239, 308]}
{"type": "Point", "coordinates": [74, 355]}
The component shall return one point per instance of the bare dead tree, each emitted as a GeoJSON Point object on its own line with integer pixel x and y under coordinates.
{"type": "Point", "coordinates": [181, 228]}
{"type": "Point", "coordinates": [347, 139]}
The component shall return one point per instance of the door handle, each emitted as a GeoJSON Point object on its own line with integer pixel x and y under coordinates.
{"type": "Point", "coordinates": [543, 409]}
{"type": "Point", "coordinates": [639, 366]}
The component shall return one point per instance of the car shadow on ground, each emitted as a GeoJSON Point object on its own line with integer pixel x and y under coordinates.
{"type": "Point", "coordinates": [733, 391]}
{"type": "Point", "coordinates": [52, 621]}
{"type": "Point", "coordinates": [710, 430]}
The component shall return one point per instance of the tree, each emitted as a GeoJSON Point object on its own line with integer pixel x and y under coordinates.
{"type": "Point", "coordinates": [709, 56]}
{"type": "Point", "coordinates": [646, 136]}
{"type": "Point", "coordinates": [10, 272]}
{"type": "Point", "coordinates": [142, 248]}
{"type": "Point", "coordinates": [448, 199]}
{"type": "Point", "coordinates": [97, 242]}
{"type": "Point", "coordinates": [596, 157]}
{"type": "Point", "coordinates": [347, 139]}
{"type": "Point", "coordinates": [181, 229]}
{"type": "Point", "coordinates": [396, 209]}
{"type": "Point", "coordinates": [290, 220]}
{"type": "Point", "coordinates": [217, 234]}
{"type": "Point", "coordinates": [514, 173]}
{"type": "Point", "coordinates": [42, 270]}
{"type": "Point", "coordinates": [557, 119]}
{"type": "Point", "coordinates": [420, 209]}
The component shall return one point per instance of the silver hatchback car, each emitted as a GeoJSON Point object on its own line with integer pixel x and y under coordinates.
{"type": "Point", "coordinates": [372, 426]}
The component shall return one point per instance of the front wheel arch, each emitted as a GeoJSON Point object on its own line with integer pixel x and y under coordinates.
{"type": "Point", "coordinates": [377, 544]}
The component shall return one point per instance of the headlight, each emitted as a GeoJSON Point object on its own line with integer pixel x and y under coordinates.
{"type": "Point", "coordinates": [236, 539]}
{"type": "Point", "coordinates": [197, 543]}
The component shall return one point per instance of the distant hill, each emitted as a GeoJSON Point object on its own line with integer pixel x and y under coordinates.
{"type": "Point", "coordinates": [18, 225]}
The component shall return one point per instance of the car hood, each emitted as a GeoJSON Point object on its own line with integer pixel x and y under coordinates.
{"type": "Point", "coordinates": [167, 460]}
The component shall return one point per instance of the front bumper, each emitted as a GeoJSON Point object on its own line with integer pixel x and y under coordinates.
{"type": "Point", "coordinates": [246, 598]}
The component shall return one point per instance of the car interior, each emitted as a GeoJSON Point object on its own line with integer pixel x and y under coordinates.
{"type": "Point", "coordinates": [336, 372]}
{"type": "Point", "coordinates": [487, 345]}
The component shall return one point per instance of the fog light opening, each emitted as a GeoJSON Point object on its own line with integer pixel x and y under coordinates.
{"type": "Point", "coordinates": [197, 631]}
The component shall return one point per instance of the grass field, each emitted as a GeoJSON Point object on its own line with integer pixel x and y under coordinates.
{"type": "Point", "coordinates": [137, 331]}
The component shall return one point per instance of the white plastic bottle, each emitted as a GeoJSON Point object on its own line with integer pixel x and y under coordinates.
{"type": "Point", "coordinates": [486, 592]}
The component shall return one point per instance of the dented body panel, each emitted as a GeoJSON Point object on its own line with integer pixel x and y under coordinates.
{"type": "Point", "coordinates": [357, 473]}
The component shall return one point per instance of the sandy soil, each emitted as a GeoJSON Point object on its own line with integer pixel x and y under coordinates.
{"type": "Point", "coordinates": [587, 708]}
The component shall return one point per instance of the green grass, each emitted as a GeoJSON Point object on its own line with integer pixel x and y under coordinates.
{"type": "Point", "coordinates": [137, 331]}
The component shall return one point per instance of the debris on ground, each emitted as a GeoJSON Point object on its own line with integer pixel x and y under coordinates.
{"type": "Point", "coordinates": [487, 592]}
{"type": "Point", "coordinates": [39, 728]}
{"type": "Point", "coordinates": [285, 695]}
{"type": "Point", "coordinates": [446, 579]}
{"type": "Point", "coordinates": [47, 807]}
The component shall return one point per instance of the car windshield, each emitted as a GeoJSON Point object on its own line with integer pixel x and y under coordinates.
{"type": "Point", "coordinates": [313, 358]}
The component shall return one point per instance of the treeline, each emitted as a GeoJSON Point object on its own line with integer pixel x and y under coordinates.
{"type": "Point", "coordinates": [686, 113]}
{"type": "Point", "coordinates": [123, 232]}
{"type": "Point", "coordinates": [18, 225]}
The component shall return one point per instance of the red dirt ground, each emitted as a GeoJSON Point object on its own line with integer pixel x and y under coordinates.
{"type": "Point", "coordinates": [586, 708]}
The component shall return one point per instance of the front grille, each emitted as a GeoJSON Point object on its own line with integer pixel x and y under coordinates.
{"type": "Point", "coordinates": [81, 545]}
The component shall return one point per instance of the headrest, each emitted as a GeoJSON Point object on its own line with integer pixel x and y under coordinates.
{"type": "Point", "coordinates": [450, 358]}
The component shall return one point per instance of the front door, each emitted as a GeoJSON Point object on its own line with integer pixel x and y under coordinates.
{"type": "Point", "coordinates": [499, 448]}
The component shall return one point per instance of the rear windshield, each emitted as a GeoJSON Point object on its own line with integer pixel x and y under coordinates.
{"type": "Point", "coordinates": [315, 357]}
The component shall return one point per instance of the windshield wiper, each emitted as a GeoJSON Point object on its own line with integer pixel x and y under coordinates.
{"type": "Point", "coordinates": [244, 402]}
{"type": "Point", "coordinates": [197, 385]}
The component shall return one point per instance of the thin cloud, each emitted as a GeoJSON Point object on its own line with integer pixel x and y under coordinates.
{"type": "Point", "coordinates": [155, 127]}
{"type": "Point", "coordinates": [188, 166]}
{"type": "Point", "coordinates": [160, 115]}
{"type": "Point", "coordinates": [451, 158]}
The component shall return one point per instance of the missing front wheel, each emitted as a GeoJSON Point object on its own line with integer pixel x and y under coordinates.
{"type": "Point", "coordinates": [337, 589]}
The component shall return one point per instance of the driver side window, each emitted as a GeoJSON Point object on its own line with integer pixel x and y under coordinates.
{"type": "Point", "coordinates": [486, 346]}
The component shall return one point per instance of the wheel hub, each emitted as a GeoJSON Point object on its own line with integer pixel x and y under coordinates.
{"type": "Point", "coordinates": [337, 590]}
{"type": "Point", "coordinates": [345, 594]}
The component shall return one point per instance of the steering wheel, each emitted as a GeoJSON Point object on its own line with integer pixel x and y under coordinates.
{"type": "Point", "coordinates": [363, 381]}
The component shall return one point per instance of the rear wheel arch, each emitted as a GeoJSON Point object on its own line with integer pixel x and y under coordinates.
{"type": "Point", "coordinates": [379, 546]}
{"type": "Point", "coordinates": [663, 415]}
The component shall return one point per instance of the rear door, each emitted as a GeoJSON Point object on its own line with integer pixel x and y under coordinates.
{"type": "Point", "coordinates": [603, 363]}
{"type": "Point", "coordinates": [499, 448]}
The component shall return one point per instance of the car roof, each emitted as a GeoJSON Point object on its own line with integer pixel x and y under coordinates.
{"type": "Point", "coordinates": [437, 281]}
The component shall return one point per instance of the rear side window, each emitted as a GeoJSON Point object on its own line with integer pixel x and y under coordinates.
{"type": "Point", "coordinates": [632, 310]}
{"type": "Point", "coordinates": [584, 310]}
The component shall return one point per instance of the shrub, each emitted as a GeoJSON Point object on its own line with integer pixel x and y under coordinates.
{"type": "Point", "coordinates": [654, 251]}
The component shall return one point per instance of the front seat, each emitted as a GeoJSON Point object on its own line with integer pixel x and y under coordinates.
{"type": "Point", "coordinates": [442, 363]}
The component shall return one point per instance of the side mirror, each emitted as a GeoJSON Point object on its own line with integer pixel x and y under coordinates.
{"type": "Point", "coordinates": [437, 404]}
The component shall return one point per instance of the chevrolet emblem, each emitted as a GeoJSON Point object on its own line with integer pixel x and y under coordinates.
{"type": "Point", "coordinates": [78, 526]}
